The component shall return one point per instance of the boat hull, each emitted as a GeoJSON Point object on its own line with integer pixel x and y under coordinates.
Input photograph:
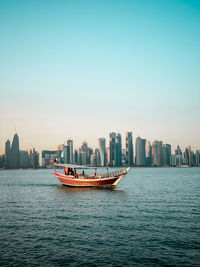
{"type": "Point", "coordinates": [81, 182]}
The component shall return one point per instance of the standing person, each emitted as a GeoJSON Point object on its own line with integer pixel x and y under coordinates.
{"type": "Point", "coordinates": [66, 170]}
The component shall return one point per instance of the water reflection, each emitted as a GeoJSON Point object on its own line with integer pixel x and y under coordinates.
{"type": "Point", "coordinates": [67, 189]}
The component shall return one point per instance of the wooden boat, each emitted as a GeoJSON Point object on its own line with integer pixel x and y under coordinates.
{"type": "Point", "coordinates": [71, 177]}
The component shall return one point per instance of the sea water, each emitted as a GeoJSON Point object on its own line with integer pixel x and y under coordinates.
{"type": "Point", "coordinates": [151, 218]}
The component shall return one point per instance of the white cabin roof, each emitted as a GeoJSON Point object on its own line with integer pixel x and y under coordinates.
{"type": "Point", "coordinates": [73, 166]}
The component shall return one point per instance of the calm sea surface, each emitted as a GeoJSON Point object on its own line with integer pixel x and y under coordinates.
{"type": "Point", "coordinates": [152, 218]}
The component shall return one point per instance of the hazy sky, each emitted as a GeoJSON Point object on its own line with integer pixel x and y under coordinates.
{"type": "Point", "coordinates": [80, 69]}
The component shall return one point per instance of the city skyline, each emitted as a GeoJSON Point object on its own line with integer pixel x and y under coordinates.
{"type": "Point", "coordinates": [82, 69]}
{"type": "Point", "coordinates": [113, 154]}
{"type": "Point", "coordinates": [93, 145]}
{"type": "Point", "coordinates": [78, 144]}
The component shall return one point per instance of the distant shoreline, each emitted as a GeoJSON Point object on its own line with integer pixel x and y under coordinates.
{"type": "Point", "coordinates": [164, 167]}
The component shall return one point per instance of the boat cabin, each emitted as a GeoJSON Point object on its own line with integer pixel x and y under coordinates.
{"type": "Point", "coordinates": [69, 171]}
{"type": "Point", "coordinates": [72, 172]}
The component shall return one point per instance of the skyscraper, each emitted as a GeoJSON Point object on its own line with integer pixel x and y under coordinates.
{"type": "Point", "coordinates": [7, 154]}
{"type": "Point", "coordinates": [102, 150]}
{"type": "Point", "coordinates": [140, 151]}
{"type": "Point", "coordinates": [112, 141]}
{"type": "Point", "coordinates": [60, 153]}
{"type": "Point", "coordinates": [178, 156]}
{"type": "Point", "coordinates": [168, 147]}
{"type": "Point", "coordinates": [129, 149]}
{"type": "Point", "coordinates": [197, 157]}
{"type": "Point", "coordinates": [14, 153]}
{"type": "Point", "coordinates": [119, 150]}
{"type": "Point", "coordinates": [93, 160]}
{"type": "Point", "coordinates": [66, 154]}
{"type": "Point", "coordinates": [148, 150]}
{"type": "Point", "coordinates": [154, 152]}
{"type": "Point", "coordinates": [160, 153]}
{"type": "Point", "coordinates": [75, 156]}
{"type": "Point", "coordinates": [24, 159]}
{"type": "Point", "coordinates": [188, 155]}
{"type": "Point", "coordinates": [70, 145]}
{"type": "Point", "coordinates": [89, 154]}
{"type": "Point", "coordinates": [98, 157]}
{"type": "Point", "coordinates": [84, 156]}
{"type": "Point", "coordinates": [36, 159]}
{"type": "Point", "coordinates": [164, 156]}
{"type": "Point", "coordinates": [108, 155]}
{"type": "Point", "coordinates": [157, 153]}
{"type": "Point", "coordinates": [116, 155]}
{"type": "Point", "coordinates": [193, 159]}
{"type": "Point", "coordinates": [79, 157]}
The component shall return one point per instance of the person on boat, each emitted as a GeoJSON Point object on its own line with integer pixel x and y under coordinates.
{"type": "Point", "coordinates": [66, 170]}
{"type": "Point", "coordinates": [70, 171]}
{"type": "Point", "coordinates": [55, 160]}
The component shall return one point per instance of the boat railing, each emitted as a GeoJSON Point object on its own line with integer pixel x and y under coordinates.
{"type": "Point", "coordinates": [106, 175]}
{"type": "Point", "coordinates": [115, 173]}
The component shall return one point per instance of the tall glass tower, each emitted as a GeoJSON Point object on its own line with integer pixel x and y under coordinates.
{"type": "Point", "coordinates": [7, 153]}
{"type": "Point", "coordinates": [119, 149]}
{"type": "Point", "coordinates": [112, 142]}
{"type": "Point", "coordinates": [14, 153]}
{"type": "Point", "coordinates": [70, 145]}
{"type": "Point", "coordinates": [129, 149]}
{"type": "Point", "coordinates": [140, 155]}
{"type": "Point", "coordinates": [102, 150]}
{"type": "Point", "coordinates": [157, 153]}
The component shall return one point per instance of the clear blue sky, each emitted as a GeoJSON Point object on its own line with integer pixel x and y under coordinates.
{"type": "Point", "coordinates": [81, 69]}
